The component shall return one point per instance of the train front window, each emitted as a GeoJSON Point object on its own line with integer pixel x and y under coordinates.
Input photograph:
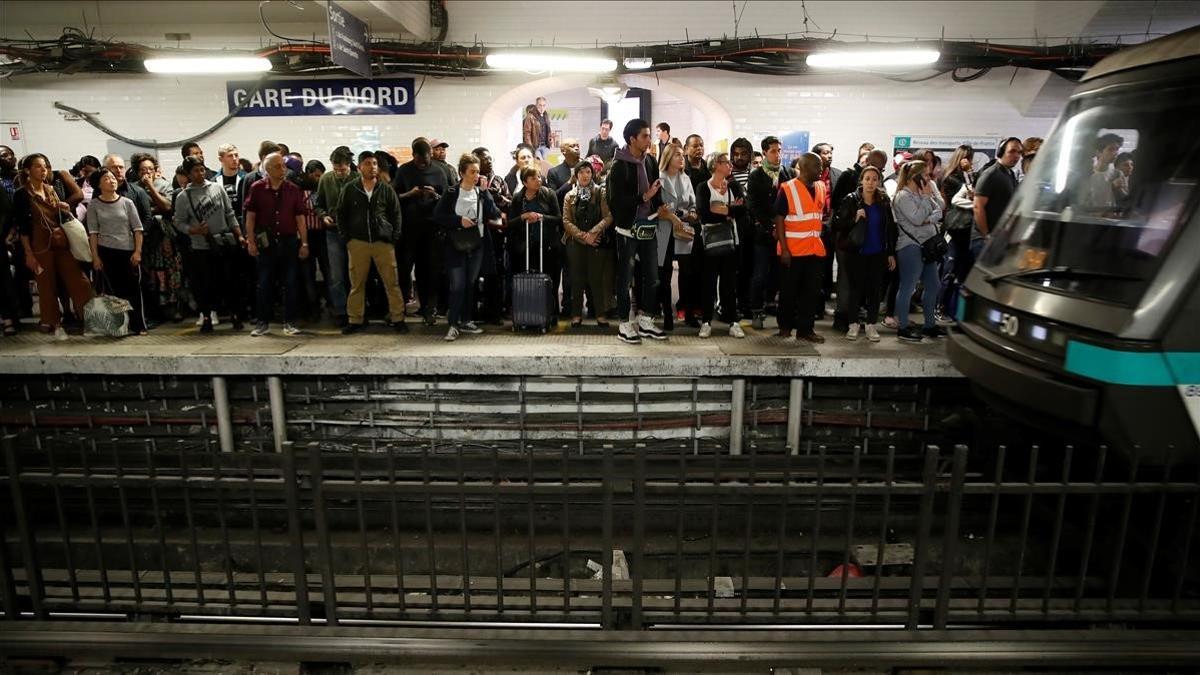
{"type": "Point", "coordinates": [1105, 197]}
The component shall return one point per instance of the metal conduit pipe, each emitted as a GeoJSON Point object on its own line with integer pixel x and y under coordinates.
{"type": "Point", "coordinates": [737, 416]}
{"type": "Point", "coordinates": [278, 419]}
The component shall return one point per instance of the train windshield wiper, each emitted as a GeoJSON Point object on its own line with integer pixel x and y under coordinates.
{"type": "Point", "coordinates": [1061, 271]}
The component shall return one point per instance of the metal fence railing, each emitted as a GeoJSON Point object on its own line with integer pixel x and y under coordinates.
{"type": "Point", "coordinates": [617, 538]}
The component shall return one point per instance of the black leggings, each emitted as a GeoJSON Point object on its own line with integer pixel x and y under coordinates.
{"type": "Point", "coordinates": [866, 284]}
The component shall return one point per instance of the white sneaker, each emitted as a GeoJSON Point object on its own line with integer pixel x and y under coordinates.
{"type": "Point", "coordinates": [60, 334]}
{"type": "Point", "coordinates": [735, 330]}
{"type": "Point", "coordinates": [289, 329]}
{"type": "Point", "coordinates": [705, 329]}
{"type": "Point", "coordinates": [628, 334]}
{"type": "Point", "coordinates": [451, 335]}
{"type": "Point", "coordinates": [852, 334]}
{"type": "Point", "coordinates": [872, 333]}
{"type": "Point", "coordinates": [471, 328]}
{"type": "Point", "coordinates": [260, 329]}
{"type": "Point", "coordinates": [646, 328]}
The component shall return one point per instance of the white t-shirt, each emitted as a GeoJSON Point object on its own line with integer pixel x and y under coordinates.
{"type": "Point", "coordinates": [467, 206]}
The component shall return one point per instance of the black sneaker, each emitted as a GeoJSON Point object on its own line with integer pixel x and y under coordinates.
{"type": "Point", "coordinates": [352, 328]}
{"type": "Point", "coordinates": [340, 321]}
{"type": "Point", "coordinates": [400, 327]}
{"type": "Point", "coordinates": [206, 325]}
{"type": "Point", "coordinates": [909, 334]}
{"type": "Point", "coordinates": [934, 332]}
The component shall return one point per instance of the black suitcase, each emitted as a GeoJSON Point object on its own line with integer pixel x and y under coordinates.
{"type": "Point", "coordinates": [533, 293]}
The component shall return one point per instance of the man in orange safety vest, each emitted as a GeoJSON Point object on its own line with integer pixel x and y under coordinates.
{"type": "Point", "coordinates": [798, 214]}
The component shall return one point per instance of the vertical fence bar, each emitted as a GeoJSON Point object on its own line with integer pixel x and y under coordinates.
{"type": "Point", "coordinates": [1152, 551]}
{"type": "Point", "coordinates": [681, 488]}
{"type": "Point", "coordinates": [1085, 555]}
{"type": "Point", "coordinates": [94, 516]}
{"type": "Point", "coordinates": [256, 529]}
{"type": "Point", "coordinates": [849, 543]}
{"type": "Point", "coordinates": [29, 557]}
{"type": "Point", "coordinates": [924, 525]}
{"type": "Point", "coordinates": [130, 551]}
{"type": "Point", "coordinates": [1115, 575]}
{"type": "Point", "coordinates": [291, 492]}
{"type": "Point", "coordinates": [324, 548]}
{"type": "Point", "coordinates": [1059, 515]}
{"type": "Point", "coordinates": [8, 585]}
{"type": "Point", "coordinates": [606, 554]}
{"type": "Point", "coordinates": [748, 529]}
{"type": "Point", "coordinates": [227, 561]}
{"type": "Point", "coordinates": [64, 527]}
{"type": "Point", "coordinates": [190, 516]}
{"type": "Point", "coordinates": [1186, 554]}
{"type": "Point", "coordinates": [278, 412]}
{"type": "Point", "coordinates": [714, 533]}
{"type": "Point", "coordinates": [566, 526]}
{"type": "Point", "coordinates": [1027, 514]}
{"type": "Point", "coordinates": [993, 516]}
{"type": "Point", "coordinates": [397, 547]}
{"type": "Point", "coordinates": [795, 410]}
{"type": "Point", "coordinates": [462, 532]}
{"type": "Point", "coordinates": [224, 420]}
{"type": "Point", "coordinates": [639, 535]}
{"type": "Point", "coordinates": [364, 548]}
{"type": "Point", "coordinates": [737, 416]}
{"type": "Point", "coordinates": [950, 539]}
{"type": "Point", "coordinates": [781, 534]}
{"type": "Point", "coordinates": [813, 559]}
{"type": "Point", "coordinates": [889, 482]}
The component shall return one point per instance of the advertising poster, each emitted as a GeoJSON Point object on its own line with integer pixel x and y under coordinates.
{"type": "Point", "coordinates": [943, 146]}
{"type": "Point", "coordinates": [794, 144]}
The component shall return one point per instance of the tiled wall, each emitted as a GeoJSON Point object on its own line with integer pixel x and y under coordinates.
{"type": "Point", "coordinates": [842, 110]}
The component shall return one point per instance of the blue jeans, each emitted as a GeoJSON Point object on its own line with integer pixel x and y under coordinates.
{"type": "Point", "coordinates": [462, 270]}
{"type": "Point", "coordinates": [336, 280]}
{"type": "Point", "coordinates": [908, 259]}
{"type": "Point", "coordinates": [643, 254]}
{"type": "Point", "coordinates": [765, 269]}
{"type": "Point", "coordinates": [281, 258]}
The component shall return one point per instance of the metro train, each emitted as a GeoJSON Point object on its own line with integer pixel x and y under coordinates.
{"type": "Point", "coordinates": [1082, 313]}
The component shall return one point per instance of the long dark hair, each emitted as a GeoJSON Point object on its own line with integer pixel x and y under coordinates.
{"type": "Point", "coordinates": [27, 162]}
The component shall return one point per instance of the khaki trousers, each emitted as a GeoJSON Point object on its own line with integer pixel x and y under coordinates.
{"type": "Point", "coordinates": [362, 254]}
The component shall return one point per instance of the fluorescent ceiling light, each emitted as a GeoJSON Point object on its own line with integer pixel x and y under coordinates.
{"type": "Point", "coordinates": [200, 65]}
{"type": "Point", "coordinates": [638, 63]}
{"type": "Point", "coordinates": [873, 58]}
{"type": "Point", "coordinates": [551, 61]}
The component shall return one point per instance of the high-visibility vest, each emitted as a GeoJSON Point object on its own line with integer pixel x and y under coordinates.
{"type": "Point", "coordinates": [802, 224]}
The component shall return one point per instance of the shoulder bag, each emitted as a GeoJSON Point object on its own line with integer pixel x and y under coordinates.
{"type": "Point", "coordinates": [719, 238]}
{"type": "Point", "coordinates": [933, 249]}
{"type": "Point", "coordinates": [77, 237]}
{"type": "Point", "coordinates": [467, 239]}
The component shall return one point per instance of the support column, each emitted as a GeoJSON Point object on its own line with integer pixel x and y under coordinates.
{"type": "Point", "coordinates": [795, 412]}
{"type": "Point", "coordinates": [278, 418]}
{"type": "Point", "coordinates": [224, 422]}
{"type": "Point", "coordinates": [737, 416]}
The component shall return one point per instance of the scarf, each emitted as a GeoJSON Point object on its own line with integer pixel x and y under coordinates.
{"type": "Point", "coordinates": [772, 171]}
{"type": "Point", "coordinates": [643, 179]}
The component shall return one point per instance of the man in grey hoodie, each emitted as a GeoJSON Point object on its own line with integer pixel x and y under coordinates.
{"type": "Point", "coordinates": [203, 211]}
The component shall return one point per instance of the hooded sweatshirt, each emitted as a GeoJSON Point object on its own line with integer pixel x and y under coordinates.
{"type": "Point", "coordinates": [205, 203]}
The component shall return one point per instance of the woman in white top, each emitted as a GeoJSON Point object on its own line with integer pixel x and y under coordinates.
{"type": "Point", "coordinates": [115, 232]}
{"type": "Point", "coordinates": [465, 207]}
{"type": "Point", "coordinates": [721, 203]}
{"type": "Point", "coordinates": [676, 229]}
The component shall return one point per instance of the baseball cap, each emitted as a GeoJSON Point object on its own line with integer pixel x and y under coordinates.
{"type": "Point", "coordinates": [436, 143]}
{"type": "Point", "coordinates": [900, 158]}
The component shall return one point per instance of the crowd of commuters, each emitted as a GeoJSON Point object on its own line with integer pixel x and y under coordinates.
{"type": "Point", "coordinates": [642, 230]}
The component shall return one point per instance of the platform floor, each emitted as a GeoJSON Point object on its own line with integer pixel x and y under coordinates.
{"type": "Point", "coordinates": [587, 351]}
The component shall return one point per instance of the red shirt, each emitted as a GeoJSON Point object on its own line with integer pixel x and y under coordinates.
{"type": "Point", "coordinates": [275, 211]}
{"type": "Point", "coordinates": [825, 178]}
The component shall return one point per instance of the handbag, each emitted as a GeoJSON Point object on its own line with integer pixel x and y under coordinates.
{"type": "Point", "coordinates": [644, 230]}
{"type": "Point", "coordinates": [77, 238]}
{"type": "Point", "coordinates": [467, 239]}
{"type": "Point", "coordinates": [933, 249]}
{"type": "Point", "coordinates": [960, 216]}
{"type": "Point", "coordinates": [106, 314]}
{"type": "Point", "coordinates": [718, 239]}
{"type": "Point", "coordinates": [858, 231]}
